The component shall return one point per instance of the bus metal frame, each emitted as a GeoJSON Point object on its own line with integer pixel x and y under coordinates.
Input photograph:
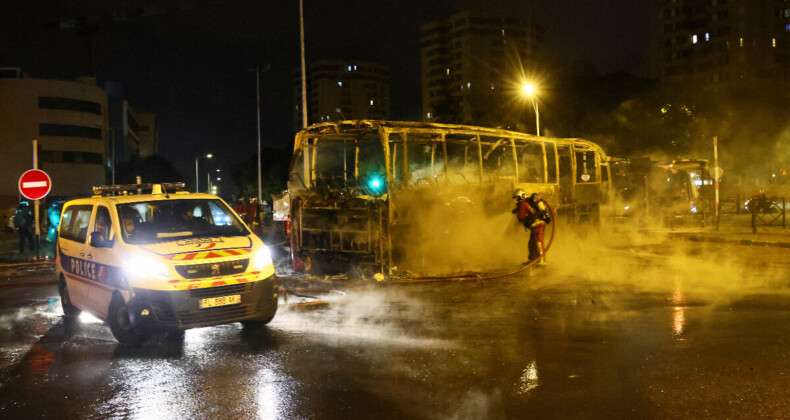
{"type": "Point", "coordinates": [343, 220]}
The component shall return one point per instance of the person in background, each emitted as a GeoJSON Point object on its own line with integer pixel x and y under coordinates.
{"type": "Point", "coordinates": [23, 222]}
{"type": "Point", "coordinates": [53, 214]}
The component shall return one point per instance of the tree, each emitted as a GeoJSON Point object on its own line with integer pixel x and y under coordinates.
{"type": "Point", "coordinates": [274, 174]}
{"type": "Point", "coordinates": [152, 169]}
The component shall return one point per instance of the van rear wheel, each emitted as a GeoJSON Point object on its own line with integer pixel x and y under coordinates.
{"type": "Point", "coordinates": [121, 323]}
{"type": "Point", "coordinates": [69, 310]}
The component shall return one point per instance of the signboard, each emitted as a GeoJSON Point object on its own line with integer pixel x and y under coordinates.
{"type": "Point", "coordinates": [34, 184]}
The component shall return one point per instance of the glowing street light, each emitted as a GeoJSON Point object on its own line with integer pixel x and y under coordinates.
{"type": "Point", "coordinates": [530, 91]}
{"type": "Point", "coordinates": [197, 176]}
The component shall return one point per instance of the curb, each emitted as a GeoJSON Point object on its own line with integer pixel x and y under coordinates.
{"type": "Point", "coordinates": [27, 283]}
{"type": "Point", "coordinates": [749, 242]}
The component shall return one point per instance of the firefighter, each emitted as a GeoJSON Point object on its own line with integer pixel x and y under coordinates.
{"type": "Point", "coordinates": [533, 213]}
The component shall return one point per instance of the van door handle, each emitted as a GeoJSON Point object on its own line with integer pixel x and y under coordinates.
{"type": "Point", "coordinates": [90, 257]}
{"type": "Point", "coordinates": [82, 254]}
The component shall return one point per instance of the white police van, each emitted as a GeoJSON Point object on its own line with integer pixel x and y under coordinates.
{"type": "Point", "coordinates": [164, 261]}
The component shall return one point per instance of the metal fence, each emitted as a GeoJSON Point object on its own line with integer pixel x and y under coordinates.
{"type": "Point", "coordinates": [768, 211]}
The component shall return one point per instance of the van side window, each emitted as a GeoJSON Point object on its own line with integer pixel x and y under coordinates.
{"type": "Point", "coordinates": [103, 224]}
{"type": "Point", "coordinates": [74, 225]}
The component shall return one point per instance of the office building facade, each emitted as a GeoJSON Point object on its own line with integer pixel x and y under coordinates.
{"type": "Point", "coordinates": [69, 120]}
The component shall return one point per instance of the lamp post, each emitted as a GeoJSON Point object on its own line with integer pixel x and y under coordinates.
{"type": "Point", "coordinates": [197, 175]}
{"type": "Point", "coordinates": [258, 70]}
{"type": "Point", "coordinates": [211, 184]}
{"type": "Point", "coordinates": [530, 91]}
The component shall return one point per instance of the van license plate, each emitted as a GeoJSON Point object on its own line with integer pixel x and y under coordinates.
{"type": "Point", "coordinates": [220, 301]}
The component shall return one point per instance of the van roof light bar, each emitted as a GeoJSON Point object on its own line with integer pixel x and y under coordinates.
{"type": "Point", "coordinates": [106, 190]}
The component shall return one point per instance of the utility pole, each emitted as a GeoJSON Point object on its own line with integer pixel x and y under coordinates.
{"type": "Point", "coordinates": [716, 179]}
{"type": "Point", "coordinates": [304, 67]}
{"type": "Point", "coordinates": [258, 72]}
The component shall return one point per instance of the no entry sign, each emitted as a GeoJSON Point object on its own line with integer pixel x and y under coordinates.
{"type": "Point", "coordinates": [34, 184]}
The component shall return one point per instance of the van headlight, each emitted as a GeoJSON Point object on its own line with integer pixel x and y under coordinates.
{"type": "Point", "coordinates": [263, 258]}
{"type": "Point", "coordinates": [143, 266]}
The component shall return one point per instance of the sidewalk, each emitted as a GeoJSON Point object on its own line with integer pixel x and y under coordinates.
{"type": "Point", "coordinates": [9, 250]}
{"type": "Point", "coordinates": [737, 229]}
{"type": "Point", "coordinates": [18, 269]}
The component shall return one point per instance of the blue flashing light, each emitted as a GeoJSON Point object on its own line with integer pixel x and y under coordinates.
{"type": "Point", "coordinates": [375, 183]}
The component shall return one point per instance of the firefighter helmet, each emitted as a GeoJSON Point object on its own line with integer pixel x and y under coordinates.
{"type": "Point", "coordinates": [520, 194]}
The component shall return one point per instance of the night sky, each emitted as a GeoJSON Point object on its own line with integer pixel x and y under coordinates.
{"type": "Point", "coordinates": [189, 61]}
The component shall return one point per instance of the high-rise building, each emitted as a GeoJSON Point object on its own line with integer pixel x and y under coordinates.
{"type": "Point", "coordinates": [343, 90]}
{"type": "Point", "coordinates": [471, 62]}
{"type": "Point", "coordinates": [725, 42]}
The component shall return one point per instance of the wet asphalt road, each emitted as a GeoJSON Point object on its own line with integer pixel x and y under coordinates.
{"type": "Point", "coordinates": [645, 333]}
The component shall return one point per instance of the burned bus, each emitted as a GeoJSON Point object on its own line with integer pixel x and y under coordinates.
{"type": "Point", "coordinates": [668, 192]}
{"type": "Point", "coordinates": [390, 196]}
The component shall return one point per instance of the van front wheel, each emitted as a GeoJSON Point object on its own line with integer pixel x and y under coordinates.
{"type": "Point", "coordinates": [256, 323]}
{"type": "Point", "coordinates": [121, 324]}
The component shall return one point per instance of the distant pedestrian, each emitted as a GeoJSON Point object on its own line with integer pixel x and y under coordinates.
{"type": "Point", "coordinates": [23, 222]}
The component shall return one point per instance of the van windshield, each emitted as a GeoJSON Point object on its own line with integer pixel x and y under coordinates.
{"type": "Point", "coordinates": [167, 220]}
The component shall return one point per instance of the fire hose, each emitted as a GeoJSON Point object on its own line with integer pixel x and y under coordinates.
{"type": "Point", "coordinates": [479, 277]}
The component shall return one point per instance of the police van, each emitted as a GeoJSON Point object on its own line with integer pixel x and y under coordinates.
{"type": "Point", "coordinates": [161, 262]}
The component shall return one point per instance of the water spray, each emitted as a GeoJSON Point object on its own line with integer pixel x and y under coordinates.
{"type": "Point", "coordinates": [479, 277]}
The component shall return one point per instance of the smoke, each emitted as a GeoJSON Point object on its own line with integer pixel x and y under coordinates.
{"type": "Point", "coordinates": [366, 318]}
{"type": "Point", "coordinates": [447, 230]}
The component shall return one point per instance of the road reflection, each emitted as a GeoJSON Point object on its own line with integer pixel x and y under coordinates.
{"type": "Point", "coordinates": [529, 379]}
{"type": "Point", "coordinates": [679, 310]}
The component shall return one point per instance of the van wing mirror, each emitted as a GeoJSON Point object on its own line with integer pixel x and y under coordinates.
{"type": "Point", "coordinates": [98, 241]}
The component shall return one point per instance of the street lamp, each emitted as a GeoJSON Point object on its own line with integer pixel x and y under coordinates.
{"type": "Point", "coordinates": [197, 176]}
{"type": "Point", "coordinates": [530, 92]}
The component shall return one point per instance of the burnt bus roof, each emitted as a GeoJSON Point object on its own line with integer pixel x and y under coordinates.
{"type": "Point", "coordinates": [356, 127]}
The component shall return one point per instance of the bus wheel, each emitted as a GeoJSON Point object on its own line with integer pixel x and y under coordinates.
{"type": "Point", "coordinates": [69, 310]}
{"type": "Point", "coordinates": [121, 323]}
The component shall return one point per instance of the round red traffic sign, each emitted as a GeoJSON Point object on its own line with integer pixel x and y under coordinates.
{"type": "Point", "coordinates": [34, 184]}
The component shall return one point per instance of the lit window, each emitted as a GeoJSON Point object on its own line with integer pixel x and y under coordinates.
{"type": "Point", "coordinates": [787, 12]}
{"type": "Point", "coordinates": [469, 85]}
{"type": "Point", "coordinates": [773, 42]}
{"type": "Point", "coordinates": [787, 27]}
{"type": "Point", "coordinates": [448, 72]}
{"type": "Point", "coordinates": [348, 68]}
{"type": "Point", "coordinates": [338, 110]}
{"type": "Point", "coordinates": [371, 101]}
{"type": "Point", "coordinates": [693, 39]}
{"type": "Point", "coordinates": [707, 36]}
{"type": "Point", "coordinates": [503, 32]}
{"type": "Point", "coordinates": [428, 115]}
{"type": "Point", "coordinates": [740, 41]}
{"type": "Point", "coordinates": [492, 86]}
{"type": "Point", "coordinates": [340, 84]}
{"type": "Point", "coordinates": [355, 68]}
